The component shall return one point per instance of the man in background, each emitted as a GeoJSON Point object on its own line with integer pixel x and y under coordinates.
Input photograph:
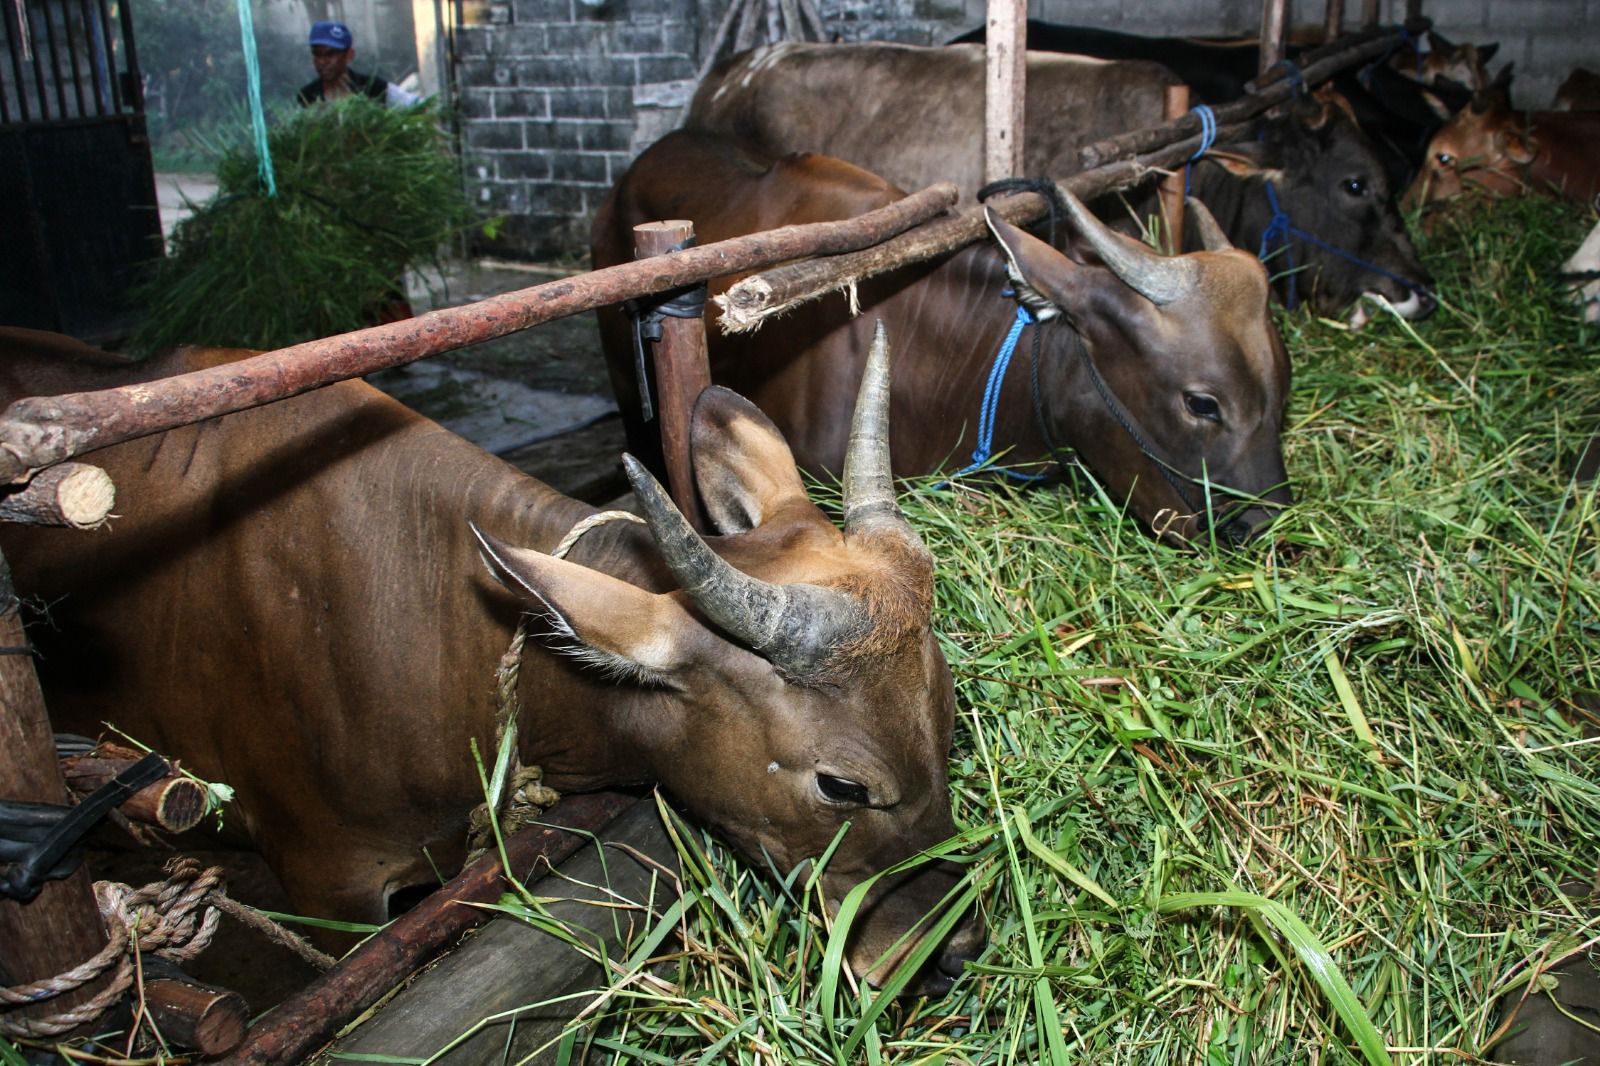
{"type": "Point", "coordinates": [332, 49]}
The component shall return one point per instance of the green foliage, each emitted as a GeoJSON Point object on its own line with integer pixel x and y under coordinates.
{"type": "Point", "coordinates": [363, 192]}
{"type": "Point", "coordinates": [1311, 801]}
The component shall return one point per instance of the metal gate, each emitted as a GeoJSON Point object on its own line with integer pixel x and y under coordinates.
{"type": "Point", "coordinates": [78, 210]}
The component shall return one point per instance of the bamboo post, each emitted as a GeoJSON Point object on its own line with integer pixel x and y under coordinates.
{"type": "Point", "coordinates": [61, 926]}
{"type": "Point", "coordinates": [1333, 20]}
{"type": "Point", "coordinates": [1273, 16]}
{"type": "Point", "coordinates": [1004, 88]}
{"type": "Point", "coordinates": [1175, 104]}
{"type": "Point", "coordinates": [683, 370]}
{"type": "Point", "coordinates": [40, 431]}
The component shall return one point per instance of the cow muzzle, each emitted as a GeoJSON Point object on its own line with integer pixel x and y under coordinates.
{"type": "Point", "coordinates": [893, 923]}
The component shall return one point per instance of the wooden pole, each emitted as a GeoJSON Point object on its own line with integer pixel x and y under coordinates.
{"type": "Point", "coordinates": [306, 1020]}
{"type": "Point", "coordinates": [190, 1013]}
{"type": "Point", "coordinates": [60, 927]}
{"type": "Point", "coordinates": [1274, 14]}
{"type": "Point", "coordinates": [74, 495]}
{"type": "Point", "coordinates": [683, 370]}
{"type": "Point", "coordinates": [1369, 14]}
{"type": "Point", "coordinates": [1333, 20]}
{"type": "Point", "coordinates": [1175, 104]}
{"type": "Point", "coordinates": [1413, 10]}
{"type": "Point", "coordinates": [1004, 88]}
{"type": "Point", "coordinates": [174, 803]}
{"type": "Point", "coordinates": [40, 431]}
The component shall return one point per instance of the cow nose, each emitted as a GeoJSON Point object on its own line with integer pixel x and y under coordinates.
{"type": "Point", "coordinates": [1427, 303]}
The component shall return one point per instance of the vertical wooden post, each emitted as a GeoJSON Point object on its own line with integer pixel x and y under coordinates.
{"type": "Point", "coordinates": [682, 369]}
{"type": "Point", "coordinates": [1274, 14]}
{"type": "Point", "coordinates": [1333, 20]}
{"type": "Point", "coordinates": [1005, 88]}
{"type": "Point", "coordinates": [1175, 104]}
{"type": "Point", "coordinates": [1413, 9]}
{"type": "Point", "coordinates": [1369, 14]}
{"type": "Point", "coordinates": [60, 927]}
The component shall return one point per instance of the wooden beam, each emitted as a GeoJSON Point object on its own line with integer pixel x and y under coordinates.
{"type": "Point", "coordinates": [1274, 14]}
{"type": "Point", "coordinates": [40, 431]}
{"type": "Point", "coordinates": [1004, 88]}
{"type": "Point", "coordinates": [74, 495]}
{"type": "Point", "coordinates": [1175, 104]}
{"type": "Point", "coordinates": [60, 927]}
{"type": "Point", "coordinates": [682, 368]}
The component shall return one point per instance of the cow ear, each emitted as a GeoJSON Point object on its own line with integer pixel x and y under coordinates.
{"type": "Point", "coordinates": [742, 465]}
{"type": "Point", "coordinates": [1438, 42]}
{"type": "Point", "coordinates": [616, 626]}
{"type": "Point", "coordinates": [1252, 159]}
{"type": "Point", "coordinates": [1517, 148]}
{"type": "Point", "coordinates": [1486, 52]}
{"type": "Point", "coordinates": [1044, 278]}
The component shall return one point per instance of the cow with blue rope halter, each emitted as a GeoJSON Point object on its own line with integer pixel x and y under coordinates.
{"type": "Point", "coordinates": [1164, 378]}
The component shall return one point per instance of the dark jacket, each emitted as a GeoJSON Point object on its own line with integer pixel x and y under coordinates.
{"type": "Point", "coordinates": [362, 84]}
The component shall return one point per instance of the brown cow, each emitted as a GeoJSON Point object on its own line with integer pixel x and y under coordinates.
{"type": "Point", "coordinates": [1490, 147]}
{"type": "Point", "coordinates": [1580, 91]}
{"type": "Point", "coordinates": [292, 603]}
{"type": "Point", "coordinates": [1166, 376]}
{"type": "Point", "coordinates": [915, 116]}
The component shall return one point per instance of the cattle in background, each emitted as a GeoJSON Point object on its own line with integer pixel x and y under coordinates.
{"type": "Point", "coordinates": [1446, 66]}
{"type": "Point", "coordinates": [1165, 375]}
{"type": "Point", "coordinates": [293, 602]}
{"type": "Point", "coordinates": [915, 117]}
{"type": "Point", "coordinates": [1489, 146]}
{"type": "Point", "coordinates": [1396, 113]}
{"type": "Point", "coordinates": [1579, 92]}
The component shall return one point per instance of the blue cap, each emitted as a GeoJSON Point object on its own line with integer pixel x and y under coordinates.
{"type": "Point", "coordinates": [331, 35]}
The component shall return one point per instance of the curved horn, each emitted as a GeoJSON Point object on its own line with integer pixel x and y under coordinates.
{"type": "Point", "coordinates": [791, 626]}
{"type": "Point", "coordinates": [869, 502]}
{"type": "Point", "coordinates": [1158, 278]}
{"type": "Point", "coordinates": [1212, 239]}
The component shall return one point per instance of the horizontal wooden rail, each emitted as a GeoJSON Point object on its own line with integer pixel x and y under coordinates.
{"type": "Point", "coordinates": [40, 431]}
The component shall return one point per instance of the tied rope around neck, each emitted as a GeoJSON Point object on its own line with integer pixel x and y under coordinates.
{"type": "Point", "coordinates": [1280, 228]}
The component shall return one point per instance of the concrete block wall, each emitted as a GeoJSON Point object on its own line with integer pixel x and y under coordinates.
{"type": "Point", "coordinates": [558, 96]}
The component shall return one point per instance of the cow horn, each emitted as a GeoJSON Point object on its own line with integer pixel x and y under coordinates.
{"type": "Point", "coordinates": [869, 502]}
{"type": "Point", "coordinates": [1158, 278]}
{"type": "Point", "coordinates": [791, 626]}
{"type": "Point", "coordinates": [1212, 239]}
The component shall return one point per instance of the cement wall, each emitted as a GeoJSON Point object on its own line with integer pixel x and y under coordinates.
{"type": "Point", "coordinates": [557, 96]}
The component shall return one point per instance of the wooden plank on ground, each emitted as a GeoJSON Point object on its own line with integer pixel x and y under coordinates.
{"type": "Point", "coordinates": [511, 978]}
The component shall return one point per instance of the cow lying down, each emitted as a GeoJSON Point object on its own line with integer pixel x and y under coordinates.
{"type": "Point", "coordinates": [293, 602]}
{"type": "Point", "coordinates": [1164, 375]}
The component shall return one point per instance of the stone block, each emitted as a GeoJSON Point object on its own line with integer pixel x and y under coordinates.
{"type": "Point", "coordinates": [525, 166]}
{"type": "Point", "coordinates": [586, 168]}
{"type": "Point", "coordinates": [476, 74]}
{"type": "Point", "coordinates": [522, 39]}
{"type": "Point", "coordinates": [578, 103]}
{"type": "Point", "coordinates": [663, 68]}
{"type": "Point", "coordinates": [542, 11]}
{"type": "Point", "coordinates": [473, 42]}
{"type": "Point", "coordinates": [604, 136]}
{"type": "Point", "coordinates": [576, 38]}
{"type": "Point", "coordinates": [646, 38]}
{"type": "Point", "coordinates": [1557, 16]}
{"type": "Point", "coordinates": [494, 136]}
{"type": "Point", "coordinates": [477, 104]}
{"type": "Point", "coordinates": [555, 199]}
{"type": "Point", "coordinates": [522, 103]}
{"type": "Point", "coordinates": [549, 71]}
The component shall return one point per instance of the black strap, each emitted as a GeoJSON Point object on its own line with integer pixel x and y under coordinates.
{"type": "Point", "coordinates": [649, 312]}
{"type": "Point", "coordinates": [1043, 186]}
{"type": "Point", "coordinates": [38, 838]}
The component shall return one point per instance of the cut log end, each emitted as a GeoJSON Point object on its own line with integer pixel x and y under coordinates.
{"type": "Point", "coordinates": [74, 495]}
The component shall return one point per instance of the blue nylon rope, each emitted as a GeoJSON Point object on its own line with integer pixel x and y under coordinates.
{"type": "Point", "coordinates": [991, 400]}
{"type": "Point", "coordinates": [1281, 228]}
{"type": "Point", "coordinates": [258, 118]}
{"type": "Point", "coordinates": [1208, 137]}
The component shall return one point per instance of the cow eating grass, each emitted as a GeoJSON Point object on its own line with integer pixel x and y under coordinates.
{"type": "Point", "coordinates": [1165, 376]}
{"type": "Point", "coordinates": [292, 603]}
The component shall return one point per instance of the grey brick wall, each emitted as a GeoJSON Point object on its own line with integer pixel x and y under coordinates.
{"type": "Point", "coordinates": [557, 96]}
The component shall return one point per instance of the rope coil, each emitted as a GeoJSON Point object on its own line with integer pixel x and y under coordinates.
{"type": "Point", "coordinates": [525, 796]}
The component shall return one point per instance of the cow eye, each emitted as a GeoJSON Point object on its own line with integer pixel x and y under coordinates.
{"type": "Point", "coordinates": [839, 790]}
{"type": "Point", "coordinates": [1355, 186]}
{"type": "Point", "coordinates": [1446, 159]}
{"type": "Point", "coordinates": [1202, 406]}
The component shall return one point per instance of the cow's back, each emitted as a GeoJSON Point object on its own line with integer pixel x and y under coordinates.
{"type": "Point", "coordinates": [914, 115]}
{"type": "Point", "coordinates": [291, 600]}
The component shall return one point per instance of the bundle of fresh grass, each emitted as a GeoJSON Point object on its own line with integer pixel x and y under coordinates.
{"type": "Point", "coordinates": [1323, 799]}
{"type": "Point", "coordinates": [363, 191]}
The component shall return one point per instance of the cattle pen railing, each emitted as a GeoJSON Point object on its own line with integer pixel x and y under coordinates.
{"type": "Point", "coordinates": [41, 432]}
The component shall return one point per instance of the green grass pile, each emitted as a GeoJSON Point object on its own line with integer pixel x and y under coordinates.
{"type": "Point", "coordinates": [1324, 799]}
{"type": "Point", "coordinates": [363, 191]}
